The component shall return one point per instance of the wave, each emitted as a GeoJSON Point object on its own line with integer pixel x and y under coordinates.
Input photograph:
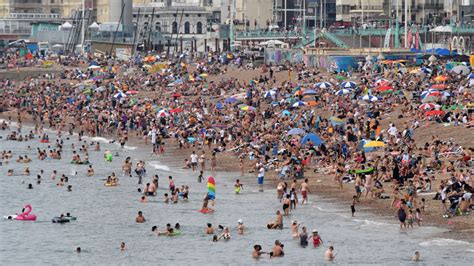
{"type": "Point", "coordinates": [100, 139]}
{"type": "Point", "coordinates": [158, 166]}
{"type": "Point", "coordinates": [369, 222]}
{"type": "Point", "coordinates": [442, 242]}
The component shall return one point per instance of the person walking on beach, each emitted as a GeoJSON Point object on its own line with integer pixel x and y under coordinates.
{"type": "Point", "coordinates": [194, 160]}
{"type": "Point", "coordinates": [304, 191]}
{"type": "Point", "coordinates": [261, 177]}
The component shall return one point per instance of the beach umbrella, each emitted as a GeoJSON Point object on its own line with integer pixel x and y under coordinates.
{"type": "Point", "coordinates": [94, 67]}
{"type": "Point", "coordinates": [384, 88]}
{"type": "Point", "coordinates": [162, 113]}
{"type": "Point", "coordinates": [120, 95]}
{"type": "Point", "coordinates": [131, 92]}
{"type": "Point", "coordinates": [434, 112]}
{"type": "Point", "coordinates": [323, 85]}
{"type": "Point", "coordinates": [438, 86]}
{"type": "Point", "coordinates": [441, 78]}
{"type": "Point", "coordinates": [428, 106]}
{"type": "Point", "coordinates": [430, 92]}
{"type": "Point", "coordinates": [230, 100]}
{"type": "Point", "coordinates": [445, 94]}
{"type": "Point", "coordinates": [462, 70]}
{"type": "Point", "coordinates": [336, 121]}
{"type": "Point", "coordinates": [285, 113]}
{"type": "Point", "coordinates": [348, 84]}
{"type": "Point", "coordinates": [369, 98]}
{"type": "Point", "coordinates": [298, 104]}
{"type": "Point", "coordinates": [343, 92]}
{"type": "Point", "coordinates": [309, 92]}
{"type": "Point", "coordinates": [176, 110]}
{"type": "Point", "coordinates": [248, 108]}
{"type": "Point", "coordinates": [311, 103]}
{"type": "Point", "coordinates": [381, 82]}
{"type": "Point", "coordinates": [471, 76]}
{"type": "Point", "coordinates": [315, 139]}
{"type": "Point", "coordinates": [298, 92]}
{"type": "Point", "coordinates": [426, 70]}
{"type": "Point", "coordinates": [373, 144]}
{"type": "Point", "coordinates": [269, 94]}
{"type": "Point", "coordinates": [295, 131]}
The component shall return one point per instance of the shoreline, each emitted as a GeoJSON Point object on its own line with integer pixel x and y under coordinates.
{"type": "Point", "coordinates": [321, 185]}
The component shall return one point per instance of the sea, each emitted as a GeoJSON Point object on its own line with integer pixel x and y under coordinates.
{"type": "Point", "coordinates": [106, 217]}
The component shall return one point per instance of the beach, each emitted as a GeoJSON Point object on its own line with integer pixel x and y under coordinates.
{"type": "Point", "coordinates": [374, 217]}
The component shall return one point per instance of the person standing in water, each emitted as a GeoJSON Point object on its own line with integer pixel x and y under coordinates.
{"type": "Point", "coordinates": [304, 191]}
{"type": "Point", "coordinates": [317, 241]}
{"type": "Point", "coordinates": [238, 186]}
{"type": "Point", "coordinates": [354, 200]}
{"type": "Point", "coordinates": [303, 237]}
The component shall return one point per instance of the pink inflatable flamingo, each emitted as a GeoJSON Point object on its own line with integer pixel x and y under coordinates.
{"type": "Point", "coordinates": [26, 216]}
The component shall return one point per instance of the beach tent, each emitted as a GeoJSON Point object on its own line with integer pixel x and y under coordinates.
{"type": "Point", "coordinates": [315, 139]}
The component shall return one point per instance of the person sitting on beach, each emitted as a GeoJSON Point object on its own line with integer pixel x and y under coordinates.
{"type": "Point", "coordinates": [187, 164]}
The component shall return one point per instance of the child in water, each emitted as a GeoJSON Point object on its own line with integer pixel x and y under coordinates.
{"type": "Point", "coordinates": [238, 186]}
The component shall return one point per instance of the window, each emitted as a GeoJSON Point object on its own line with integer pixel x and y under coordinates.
{"type": "Point", "coordinates": [187, 27]}
{"type": "Point", "coordinates": [199, 27]}
{"type": "Point", "coordinates": [158, 26]}
{"type": "Point", "coordinates": [174, 27]}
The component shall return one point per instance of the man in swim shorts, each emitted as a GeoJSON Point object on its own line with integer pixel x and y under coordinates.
{"type": "Point", "coordinates": [304, 191]}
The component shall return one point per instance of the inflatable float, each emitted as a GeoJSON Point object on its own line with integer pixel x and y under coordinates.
{"type": "Point", "coordinates": [108, 156]}
{"type": "Point", "coordinates": [208, 210]}
{"type": "Point", "coordinates": [110, 184]}
{"type": "Point", "coordinates": [175, 233]}
{"type": "Point", "coordinates": [24, 216]}
{"type": "Point", "coordinates": [60, 220]}
{"type": "Point", "coordinates": [44, 141]}
{"type": "Point", "coordinates": [362, 171]}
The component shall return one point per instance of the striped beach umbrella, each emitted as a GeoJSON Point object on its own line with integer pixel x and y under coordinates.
{"type": "Point", "coordinates": [348, 84]}
{"type": "Point", "coordinates": [343, 92]}
{"type": "Point", "coordinates": [323, 85]}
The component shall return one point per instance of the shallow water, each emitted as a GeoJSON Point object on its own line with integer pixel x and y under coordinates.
{"type": "Point", "coordinates": [106, 217]}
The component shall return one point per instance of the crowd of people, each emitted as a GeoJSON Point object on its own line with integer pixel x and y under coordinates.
{"type": "Point", "coordinates": [360, 128]}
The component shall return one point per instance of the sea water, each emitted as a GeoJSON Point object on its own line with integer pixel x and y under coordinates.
{"type": "Point", "coordinates": [106, 217]}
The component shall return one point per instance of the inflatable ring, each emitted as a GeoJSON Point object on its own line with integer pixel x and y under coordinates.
{"type": "Point", "coordinates": [109, 157]}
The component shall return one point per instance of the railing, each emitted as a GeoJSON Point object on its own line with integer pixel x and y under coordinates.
{"type": "Point", "coordinates": [333, 38]}
{"type": "Point", "coordinates": [16, 31]}
{"type": "Point", "coordinates": [267, 34]}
